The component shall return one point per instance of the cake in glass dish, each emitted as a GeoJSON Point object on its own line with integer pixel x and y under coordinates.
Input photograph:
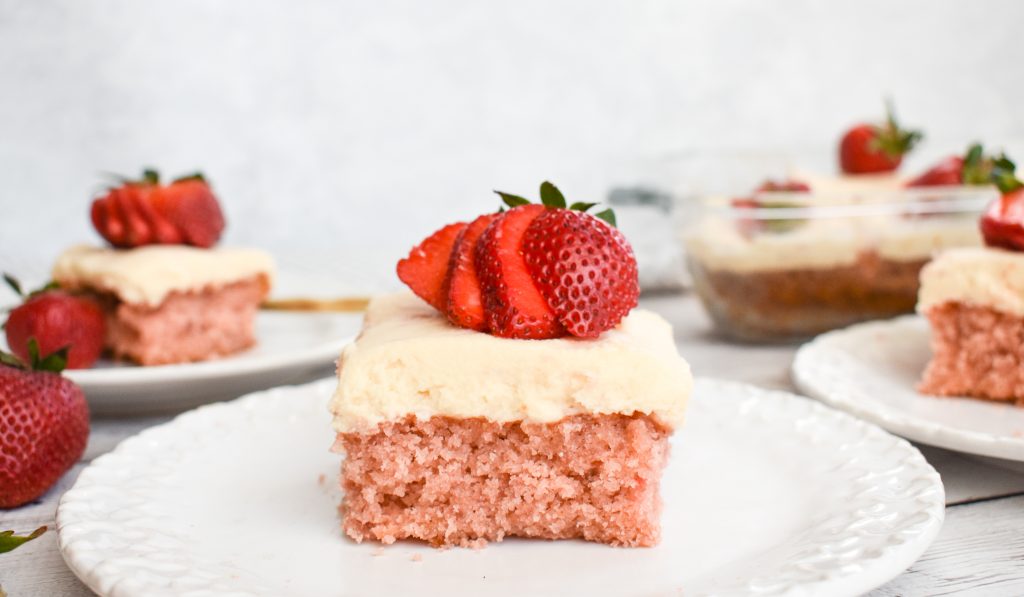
{"type": "Point", "coordinates": [519, 394]}
{"type": "Point", "coordinates": [974, 302]}
{"type": "Point", "coordinates": [168, 295]}
{"type": "Point", "coordinates": [805, 256]}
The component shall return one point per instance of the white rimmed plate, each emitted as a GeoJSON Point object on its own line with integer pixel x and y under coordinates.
{"type": "Point", "coordinates": [766, 493]}
{"type": "Point", "coordinates": [291, 348]}
{"type": "Point", "coordinates": [871, 370]}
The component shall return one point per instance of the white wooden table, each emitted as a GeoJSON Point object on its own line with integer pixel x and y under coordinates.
{"type": "Point", "coordinates": [980, 550]}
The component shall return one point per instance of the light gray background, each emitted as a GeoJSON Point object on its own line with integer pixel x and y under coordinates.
{"type": "Point", "coordinates": [355, 128]}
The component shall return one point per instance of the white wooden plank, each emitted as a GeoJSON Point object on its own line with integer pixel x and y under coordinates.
{"type": "Point", "coordinates": [980, 551]}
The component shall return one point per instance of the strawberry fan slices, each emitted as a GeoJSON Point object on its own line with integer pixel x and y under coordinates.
{"type": "Point", "coordinates": [535, 271]}
{"type": "Point", "coordinates": [522, 396]}
{"type": "Point", "coordinates": [168, 295]}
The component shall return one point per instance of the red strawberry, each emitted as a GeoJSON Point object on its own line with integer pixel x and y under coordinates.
{"type": "Point", "coordinates": [56, 319]}
{"type": "Point", "coordinates": [584, 268]}
{"type": "Point", "coordinates": [1002, 224]}
{"type": "Point", "coordinates": [143, 212]}
{"type": "Point", "coordinates": [514, 306]}
{"type": "Point", "coordinates": [426, 267]}
{"type": "Point", "coordinates": [44, 427]}
{"type": "Point", "coordinates": [868, 148]}
{"type": "Point", "coordinates": [947, 172]}
{"type": "Point", "coordinates": [465, 303]}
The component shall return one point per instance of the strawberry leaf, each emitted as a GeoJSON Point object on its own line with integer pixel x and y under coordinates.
{"type": "Point", "coordinates": [608, 216]}
{"type": "Point", "coordinates": [891, 139]}
{"type": "Point", "coordinates": [581, 206]}
{"type": "Point", "coordinates": [55, 362]}
{"type": "Point", "coordinates": [550, 196]}
{"type": "Point", "coordinates": [150, 176]}
{"type": "Point", "coordinates": [14, 284]}
{"type": "Point", "coordinates": [194, 176]}
{"type": "Point", "coordinates": [512, 200]}
{"type": "Point", "coordinates": [11, 360]}
{"type": "Point", "coordinates": [10, 541]}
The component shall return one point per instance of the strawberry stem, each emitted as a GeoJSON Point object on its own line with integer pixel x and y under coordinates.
{"type": "Point", "coordinates": [10, 541]}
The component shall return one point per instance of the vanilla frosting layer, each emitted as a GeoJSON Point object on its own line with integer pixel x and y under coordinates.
{"type": "Point", "coordinates": [979, 276]}
{"type": "Point", "coordinates": [146, 275]}
{"type": "Point", "coordinates": [410, 360]}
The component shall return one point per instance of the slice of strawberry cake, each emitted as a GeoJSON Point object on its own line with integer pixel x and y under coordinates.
{"type": "Point", "coordinates": [525, 397]}
{"type": "Point", "coordinates": [974, 300]}
{"type": "Point", "coordinates": [168, 295]}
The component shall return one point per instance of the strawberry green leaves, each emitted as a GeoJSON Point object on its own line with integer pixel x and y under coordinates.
{"type": "Point", "coordinates": [10, 541]}
{"type": "Point", "coordinates": [979, 169]}
{"type": "Point", "coordinates": [553, 198]}
{"type": "Point", "coordinates": [550, 196]}
{"type": "Point", "coordinates": [512, 200]}
{"type": "Point", "coordinates": [893, 140]}
{"type": "Point", "coordinates": [55, 362]}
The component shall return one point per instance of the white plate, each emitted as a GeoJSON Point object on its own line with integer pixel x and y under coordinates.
{"type": "Point", "coordinates": [291, 348]}
{"type": "Point", "coordinates": [766, 493]}
{"type": "Point", "coordinates": [872, 370]}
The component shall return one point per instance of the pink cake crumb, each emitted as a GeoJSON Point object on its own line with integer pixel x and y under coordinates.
{"type": "Point", "coordinates": [464, 482]}
{"type": "Point", "coordinates": [187, 326]}
{"type": "Point", "coordinates": [976, 351]}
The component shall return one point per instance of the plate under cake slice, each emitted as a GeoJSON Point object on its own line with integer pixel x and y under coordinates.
{"type": "Point", "coordinates": [522, 396]}
{"type": "Point", "coordinates": [453, 436]}
{"type": "Point", "coordinates": [171, 303]}
{"type": "Point", "coordinates": [974, 300]}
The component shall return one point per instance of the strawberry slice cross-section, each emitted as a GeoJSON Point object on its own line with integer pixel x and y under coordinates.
{"type": "Point", "coordinates": [513, 305]}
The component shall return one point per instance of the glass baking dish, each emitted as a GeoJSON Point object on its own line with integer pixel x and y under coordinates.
{"type": "Point", "coordinates": [783, 266]}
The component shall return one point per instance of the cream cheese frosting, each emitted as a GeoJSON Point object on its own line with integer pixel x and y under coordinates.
{"type": "Point", "coordinates": [978, 276]}
{"type": "Point", "coordinates": [717, 243]}
{"type": "Point", "coordinates": [147, 274]}
{"type": "Point", "coordinates": [409, 360]}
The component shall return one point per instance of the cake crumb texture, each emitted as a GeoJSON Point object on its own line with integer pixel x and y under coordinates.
{"type": "Point", "coordinates": [451, 481]}
{"type": "Point", "coordinates": [187, 326]}
{"type": "Point", "coordinates": [976, 351]}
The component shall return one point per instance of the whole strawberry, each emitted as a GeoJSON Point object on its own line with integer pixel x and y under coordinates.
{"type": "Point", "coordinates": [56, 319]}
{"type": "Point", "coordinates": [44, 426]}
{"type": "Point", "coordinates": [870, 148]}
{"type": "Point", "coordinates": [144, 212]}
{"type": "Point", "coordinates": [972, 168]}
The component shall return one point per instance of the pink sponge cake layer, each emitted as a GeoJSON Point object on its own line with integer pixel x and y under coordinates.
{"type": "Point", "coordinates": [976, 351]}
{"type": "Point", "coordinates": [187, 326]}
{"type": "Point", "coordinates": [455, 437]}
{"type": "Point", "coordinates": [466, 481]}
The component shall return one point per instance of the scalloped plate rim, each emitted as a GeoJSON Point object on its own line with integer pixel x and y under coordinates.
{"type": "Point", "coordinates": [890, 562]}
{"type": "Point", "coordinates": [899, 422]}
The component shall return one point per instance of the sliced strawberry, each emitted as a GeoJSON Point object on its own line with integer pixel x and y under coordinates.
{"type": "Point", "coordinates": [190, 206]}
{"type": "Point", "coordinates": [137, 230]}
{"type": "Point", "coordinates": [426, 267]}
{"type": "Point", "coordinates": [513, 305]}
{"type": "Point", "coordinates": [584, 268]}
{"type": "Point", "coordinates": [465, 303]}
